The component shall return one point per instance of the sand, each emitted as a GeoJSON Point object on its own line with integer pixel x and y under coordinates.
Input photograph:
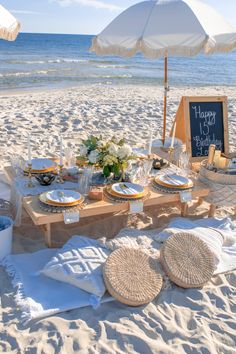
{"type": "Point", "coordinates": [179, 321]}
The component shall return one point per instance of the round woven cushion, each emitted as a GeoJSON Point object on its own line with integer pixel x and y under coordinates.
{"type": "Point", "coordinates": [132, 277]}
{"type": "Point", "coordinates": [187, 260]}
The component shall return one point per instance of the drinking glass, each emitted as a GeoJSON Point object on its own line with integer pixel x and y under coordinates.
{"type": "Point", "coordinates": [184, 163]}
{"type": "Point", "coordinates": [85, 181]}
{"type": "Point", "coordinates": [18, 164]}
{"type": "Point", "coordinates": [143, 171]}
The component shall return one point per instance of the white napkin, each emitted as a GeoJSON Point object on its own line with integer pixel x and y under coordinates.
{"type": "Point", "coordinates": [71, 217]}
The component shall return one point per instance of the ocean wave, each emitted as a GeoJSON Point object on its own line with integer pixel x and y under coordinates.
{"type": "Point", "coordinates": [124, 76]}
{"type": "Point", "coordinates": [27, 73]}
{"type": "Point", "coordinates": [112, 66]}
{"type": "Point", "coordinates": [48, 61]}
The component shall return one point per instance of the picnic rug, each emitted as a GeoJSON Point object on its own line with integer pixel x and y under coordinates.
{"type": "Point", "coordinates": [39, 296]}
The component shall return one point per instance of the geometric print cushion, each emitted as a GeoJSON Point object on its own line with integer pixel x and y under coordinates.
{"type": "Point", "coordinates": [79, 263]}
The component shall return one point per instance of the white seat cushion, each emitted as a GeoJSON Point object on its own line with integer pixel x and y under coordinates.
{"type": "Point", "coordinates": [79, 263]}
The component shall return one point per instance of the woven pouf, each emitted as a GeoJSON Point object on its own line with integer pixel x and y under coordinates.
{"type": "Point", "coordinates": [187, 260]}
{"type": "Point", "coordinates": [132, 277]}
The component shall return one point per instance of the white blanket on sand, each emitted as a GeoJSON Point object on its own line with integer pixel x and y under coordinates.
{"type": "Point", "coordinates": [39, 296]}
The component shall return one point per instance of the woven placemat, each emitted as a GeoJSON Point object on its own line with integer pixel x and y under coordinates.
{"type": "Point", "coordinates": [158, 187]}
{"type": "Point", "coordinates": [187, 260]}
{"type": "Point", "coordinates": [58, 209]}
{"type": "Point", "coordinates": [112, 198]}
{"type": "Point", "coordinates": [132, 277]}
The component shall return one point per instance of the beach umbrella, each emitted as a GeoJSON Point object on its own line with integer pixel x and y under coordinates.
{"type": "Point", "coordinates": [9, 26]}
{"type": "Point", "coordinates": [166, 27]}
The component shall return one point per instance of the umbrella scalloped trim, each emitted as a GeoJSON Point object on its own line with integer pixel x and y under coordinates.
{"type": "Point", "coordinates": [208, 46]}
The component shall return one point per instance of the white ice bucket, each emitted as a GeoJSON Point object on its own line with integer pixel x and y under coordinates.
{"type": "Point", "coordinates": [6, 227]}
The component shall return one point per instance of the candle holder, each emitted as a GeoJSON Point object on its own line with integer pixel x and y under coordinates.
{"type": "Point", "coordinates": [30, 183]}
{"type": "Point", "coordinates": [60, 178]}
{"type": "Point", "coordinates": [171, 154]}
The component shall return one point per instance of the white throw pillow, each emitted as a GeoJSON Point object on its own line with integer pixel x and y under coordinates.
{"type": "Point", "coordinates": [79, 263]}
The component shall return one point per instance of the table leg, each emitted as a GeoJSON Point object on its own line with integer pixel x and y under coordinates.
{"type": "Point", "coordinates": [47, 234]}
{"type": "Point", "coordinates": [200, 201]}
{"type": "Point", "coordinates": [212, 210]}
{"type": "Point", "coordinates": [184, 209]}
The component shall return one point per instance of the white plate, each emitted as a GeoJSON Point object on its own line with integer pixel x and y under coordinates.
{"type": "Point", "coordinates": [129, 189]}
{"type": "Point", "coordinates": [174, 180]}
{"type": "Point", "coordinates": [42, 164]}
{"type": "Point", "coordinates": [63, 196]}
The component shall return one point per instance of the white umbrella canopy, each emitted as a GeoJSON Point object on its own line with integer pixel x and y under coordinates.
{"type": "Point", "coordinates": [166, 27]}
{"type": "Point", "coordinates": [9, 26]}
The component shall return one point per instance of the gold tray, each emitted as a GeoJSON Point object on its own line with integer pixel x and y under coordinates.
{"type": "Point", "coordinates": [43, 199]}
{"type": "Point", "coordinates": [166, 185]}
{"type": "Point", "coordinates": [114, 194]}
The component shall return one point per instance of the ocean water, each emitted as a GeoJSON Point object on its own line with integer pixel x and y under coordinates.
{"type": "Point", "coordinates": [38, 61]}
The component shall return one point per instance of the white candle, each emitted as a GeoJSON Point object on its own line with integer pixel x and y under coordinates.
{"type": "Point", "coordinates": [173, 136]}
{"type": "Point", "coordinates": [150, 143]}
{"type": "Point", "coordinates": [29, 151]}
{"type": "Point", "coordinates": [61, 149]}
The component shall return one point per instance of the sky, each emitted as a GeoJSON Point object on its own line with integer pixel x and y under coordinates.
{"type": "Point", "coordinates": [83, 16]}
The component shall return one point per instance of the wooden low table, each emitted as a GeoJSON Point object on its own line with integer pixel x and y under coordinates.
{"type": "Point", "coordinates": [45, 219]}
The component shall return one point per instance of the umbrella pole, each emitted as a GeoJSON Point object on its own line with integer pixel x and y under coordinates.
{"type": "Point", "coordinates": [166, 89]}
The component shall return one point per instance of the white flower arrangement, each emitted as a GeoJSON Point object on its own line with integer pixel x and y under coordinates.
{"type": "Point", "coordinates": [112, 155]}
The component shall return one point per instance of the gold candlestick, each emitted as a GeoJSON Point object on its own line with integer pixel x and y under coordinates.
{"type": "Point", "coordinates": [30, 183]}
{"type": "Point", "coordinates": [60, 178]}
{"type": "Point", "coordinates": [171, 154]}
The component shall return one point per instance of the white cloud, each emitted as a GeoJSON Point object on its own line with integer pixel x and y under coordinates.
{"type": "Point", "coordinates": [91, 3]}
{"type": "Point", "coordinates": [24, 12]}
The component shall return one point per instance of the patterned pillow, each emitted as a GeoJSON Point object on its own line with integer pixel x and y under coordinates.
{"type": "Point", "coordinates": [79, 263]}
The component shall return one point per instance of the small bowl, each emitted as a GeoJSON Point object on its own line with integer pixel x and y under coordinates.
{"type": "Point", "coordinates": [45, 179]}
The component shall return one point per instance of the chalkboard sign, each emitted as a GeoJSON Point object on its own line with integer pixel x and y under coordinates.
{"type": "Point", "coordinates": [200, 122]}
{"type": "Point", "coordinates": [207, 127]}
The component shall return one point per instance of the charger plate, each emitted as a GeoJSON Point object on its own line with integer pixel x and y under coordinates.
{"type": "Point", "coordinates": [187, 260]}
{"type": "Point", "coordinates": [58, 209]}
{"type": "Point", "coordinates": [43, 198]}
{"type": "Point", "coordinates": [127, 189]}
{"type": "Point", "coordinates": [42, 165]}
{"type": "Point", "coordinates": [64, 197]}
{"type": "Point", "coordinates": [157, 187]}
{"type": "Point", "coordinates": [132, 277]}
{"type": "Point", "coordinates": [174, 181]}
{"type": "Point", "coordinates": [128, 197]}
{"type": "Point", "coordinates": [109, 194]}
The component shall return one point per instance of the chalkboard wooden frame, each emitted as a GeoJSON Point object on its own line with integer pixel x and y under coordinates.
{"type": "Point", "coordinates": [183, 124]}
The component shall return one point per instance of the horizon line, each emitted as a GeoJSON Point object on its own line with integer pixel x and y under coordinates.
{"type": "Point", "coordinates": [69, 34]}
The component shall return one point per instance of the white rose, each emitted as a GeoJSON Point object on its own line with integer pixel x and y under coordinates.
{"type": "Point", "coordinates": [124, 151]}
{"type": "Point", "coordinates": [83, 150]}
{"type": "Point", "coordinates": [113, 149]}
{"type": "Point", "coordinates": [101, 143]}
{"type": "Point", "coordinates": [93, 156]}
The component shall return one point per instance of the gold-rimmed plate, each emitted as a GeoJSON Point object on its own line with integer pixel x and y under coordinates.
{"type": "Point", "coordinates": [115, 195]}
{"type": "Point", "coordinates": [174, 181]}
{"type": "Point", "coordinates": [43, 198]}
{"type": "Point", "coordinates": [127, 190]}
{"type": "Point", "coordinates": [41, 165]}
